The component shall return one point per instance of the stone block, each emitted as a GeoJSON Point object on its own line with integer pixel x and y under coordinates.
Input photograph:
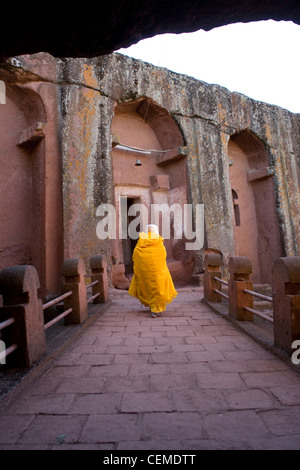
{"type": "Point", "coordinates": [19, 287]}
{"type": "Point", "coordinates": [118, 278]}
{"type": "Point", "coordinates": [74, 272]}
{"type": "Point", "coordinates": [160, 182]}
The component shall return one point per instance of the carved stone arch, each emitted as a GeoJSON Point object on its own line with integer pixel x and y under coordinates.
{"type": "Point", "coordinates": [22, 152]}
{"type": "Point", "coordinates": [251, 177]}
{"type": "Point", "coordinates": [158, 118]}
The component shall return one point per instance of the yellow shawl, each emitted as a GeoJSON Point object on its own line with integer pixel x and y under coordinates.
{"type": "Point", "coordinates": [152, 282]}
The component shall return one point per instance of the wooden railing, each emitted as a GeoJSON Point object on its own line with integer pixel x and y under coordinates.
{"type": "Point", "coordinates": [55, 302]}
{"type": "Point", "coordinates": [222, 281]}
{"type": "Point", "coordinates": [22, 313]}
{"type": "Point", "coordinates": [256, 312]}
{"type": "Point", "coordinates": [285, 300]}
{"type": "Point", "coordinates": [95, 296]}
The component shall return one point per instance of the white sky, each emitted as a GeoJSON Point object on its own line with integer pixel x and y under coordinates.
{"type": "Point", "coordinates": [260, 60]}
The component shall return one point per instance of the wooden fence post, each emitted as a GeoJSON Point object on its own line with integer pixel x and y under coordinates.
{"type": "Point", "coordinates": [74, 272]}
{"type": "Point", "coordinates": [240, 269]}
{"type": "Point", "coordinates": [286, 301]}
{"type": "Point", "coordinates": [212, 269]}
{"type": "Point", "coordinates": [98, 266]}
{"type": "Point", "coordinates": [19, 287]}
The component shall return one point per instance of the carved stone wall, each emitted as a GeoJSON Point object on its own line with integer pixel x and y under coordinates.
{"type": "Point", "coordinates": [207, 116]}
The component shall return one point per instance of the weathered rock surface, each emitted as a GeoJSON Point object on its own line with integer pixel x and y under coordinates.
{"type": "Point", "coordinates": [207, 115]}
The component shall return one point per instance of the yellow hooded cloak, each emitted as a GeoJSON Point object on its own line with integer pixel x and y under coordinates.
{"type": "Point", "coordinates": [152, 283]}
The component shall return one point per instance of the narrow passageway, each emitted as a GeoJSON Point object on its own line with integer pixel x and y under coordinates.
{"type": "Point", "coordinates": [185, 380]}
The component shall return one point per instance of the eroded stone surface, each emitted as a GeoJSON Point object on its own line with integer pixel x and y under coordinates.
{"type": "Point", "coordinates": [80, 95]}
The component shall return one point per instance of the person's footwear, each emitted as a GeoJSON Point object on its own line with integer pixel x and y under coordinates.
{"type": "Point", "coordinates": [154, 315]}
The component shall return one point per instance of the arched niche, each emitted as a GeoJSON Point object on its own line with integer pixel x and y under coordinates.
{"type": "Point", "coordinates": [256, 228]}
{"type": "Point", "coordinates": [146, 133]}
{"type": "Point", "coordinates": [22, 120]}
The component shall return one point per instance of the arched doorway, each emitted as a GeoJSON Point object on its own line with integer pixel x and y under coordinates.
{"type": "Point", "coordinates": [145, 132]}
{"type": "Point", "coordinates": [256, 227]}
{"type": "Point", "coordinates": [21, 180]}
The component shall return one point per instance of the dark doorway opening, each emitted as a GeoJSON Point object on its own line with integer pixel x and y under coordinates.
{"type": "Point", "coordinates": [128, 244]}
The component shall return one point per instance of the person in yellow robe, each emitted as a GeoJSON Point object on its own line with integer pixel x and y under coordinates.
{"type": "Point", "coordinates": [152, 283]}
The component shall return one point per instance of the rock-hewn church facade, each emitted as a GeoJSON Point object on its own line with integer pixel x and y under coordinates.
{"type": "Point", "coordinates": [72, 131]}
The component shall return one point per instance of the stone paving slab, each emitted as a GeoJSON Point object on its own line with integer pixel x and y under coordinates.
{"type": "Point", "coordinates": [187, 380]}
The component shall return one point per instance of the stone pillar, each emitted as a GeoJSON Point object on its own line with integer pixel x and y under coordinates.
{"type": "Point", "coordinates": [240, 269]}
{"type": "Point", "coordinates": [98, 267]}
{"type": "Point", "coordinates": [212, 269]}
{"type": "Point", "coordinates": [286, 301]}
{"type": "Point", "coordinates": [74, 272]}
{"type": "Point", "coordinates": [19, 287]}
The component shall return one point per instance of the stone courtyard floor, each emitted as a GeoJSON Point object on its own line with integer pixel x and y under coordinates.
{"type": "Point", "coordinates": [187, 380]}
